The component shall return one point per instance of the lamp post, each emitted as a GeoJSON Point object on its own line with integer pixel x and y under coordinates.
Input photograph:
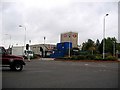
{"type": "Point", "coordinates": [44, 47]}
{"type": "Point", "coordinates": [104, 36]}
{"type": "Point", "coordinates": [69, 45]}
{"type": "Point", "coordinates": [25, 34]}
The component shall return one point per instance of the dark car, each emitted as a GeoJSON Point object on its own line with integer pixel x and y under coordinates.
{"type": "Point", "coordinates": [14, 62]}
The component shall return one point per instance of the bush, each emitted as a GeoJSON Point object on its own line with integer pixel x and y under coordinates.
{"type": "Point", "coordinates": [81, 57]}
{"type": "Point", "coordinates": [113, 58]}
{"type": "Point", "coordinates": [98, 57]}
{"type": "Point", "coordinates": [90, 57]}
{"type": "Point", "coordinates": [74, 58]}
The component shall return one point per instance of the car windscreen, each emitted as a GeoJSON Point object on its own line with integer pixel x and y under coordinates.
{"type": "Point", "coordinates": [2, 50]}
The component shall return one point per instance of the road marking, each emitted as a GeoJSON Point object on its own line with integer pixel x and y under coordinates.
{"type": "Point", "coordinates": [86, 64]}
{"type": "Point", "coordinates": [46, 59]}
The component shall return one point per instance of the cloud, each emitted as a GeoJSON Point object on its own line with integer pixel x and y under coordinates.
{"type": "Point", "coordinates": [51, 18]}
{"type": "Point", "coordinates": [119, 22]}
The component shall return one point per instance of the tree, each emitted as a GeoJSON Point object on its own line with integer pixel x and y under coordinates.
{"type": "Point", "coordinates": [118, 46]}
{"type": "Point", "coordinates": [97, 44]}
{"type": "Point", "coordinates": [109, 45]}
{"type": "Point", "coordinates": [92, 49]}
{"type": "Point", "coordinates": [88, 46]}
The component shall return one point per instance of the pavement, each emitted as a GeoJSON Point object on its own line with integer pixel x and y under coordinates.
{"type": "Point", "coordinates": [59, 74]}
{"type": "Point", "coordinates": [46, 59]}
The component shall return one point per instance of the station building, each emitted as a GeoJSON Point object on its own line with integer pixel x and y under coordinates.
{"type": "Point", "coordinates": [39, 49]}
{"type": "Point", "coordinates": [70, 37]}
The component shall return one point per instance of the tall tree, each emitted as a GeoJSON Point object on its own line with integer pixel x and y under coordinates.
{"type": "Point", "coordinates": [109, 45]}
{"type": "Point", "coordinates": [87, 45]}
{"type": "Point", "coordinates": [97, 44]}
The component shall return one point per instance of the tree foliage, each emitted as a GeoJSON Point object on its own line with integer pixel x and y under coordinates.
{"type": "Point", "coordinates": [87, 45]}
{"type": "Point", "coordinates": [110, 45]}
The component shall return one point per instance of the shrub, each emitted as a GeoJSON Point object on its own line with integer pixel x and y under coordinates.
{"type": "Point", "coordinates": [81, 57]}
{"type": "Point", "coordinates": [90, 57]}
{"type": "Point", "coordinates": [74, 58]}
{"type": "Point", "coordinates": [111, 58]}
{"type": "Point", "coordinates": [98, 57]}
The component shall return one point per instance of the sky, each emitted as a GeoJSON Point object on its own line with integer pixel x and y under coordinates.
{"type": "Point", "coordinates": [50, 18]}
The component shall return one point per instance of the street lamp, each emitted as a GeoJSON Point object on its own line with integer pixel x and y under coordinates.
{"type": "Point", "coordinates": [69, 45]}
{"type": "Point", "coordinates": [104, 36]}
{"type": "Point", "coordinates": [25, 34]}
{"type": "Point", "coordinates": [44, 47]}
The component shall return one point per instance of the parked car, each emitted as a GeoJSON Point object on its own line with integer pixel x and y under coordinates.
{"type": "Point", "coordinates": [14, 62]}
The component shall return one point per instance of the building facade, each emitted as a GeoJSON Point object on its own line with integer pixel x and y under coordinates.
{"type": "Point", "coordinates": [70, 37]}
{"type": "Point", "coordinates": [39, 48]}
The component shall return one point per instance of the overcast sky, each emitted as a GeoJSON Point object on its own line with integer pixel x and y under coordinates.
{"type": "Point", "coordinates": [50, 18]}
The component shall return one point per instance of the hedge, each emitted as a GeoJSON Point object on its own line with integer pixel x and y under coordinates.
{"type": "Point", "coordinates": [89, 57]}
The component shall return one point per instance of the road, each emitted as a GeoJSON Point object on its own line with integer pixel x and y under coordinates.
{"type": "Point", "coordinates": [60, 74]}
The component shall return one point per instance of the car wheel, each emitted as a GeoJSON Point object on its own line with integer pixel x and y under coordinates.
{"type": "Point", "coordinates": [17, 67]}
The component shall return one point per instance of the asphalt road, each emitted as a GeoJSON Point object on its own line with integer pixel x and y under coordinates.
{"type": "Point", "coordinates": [59, 74]}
